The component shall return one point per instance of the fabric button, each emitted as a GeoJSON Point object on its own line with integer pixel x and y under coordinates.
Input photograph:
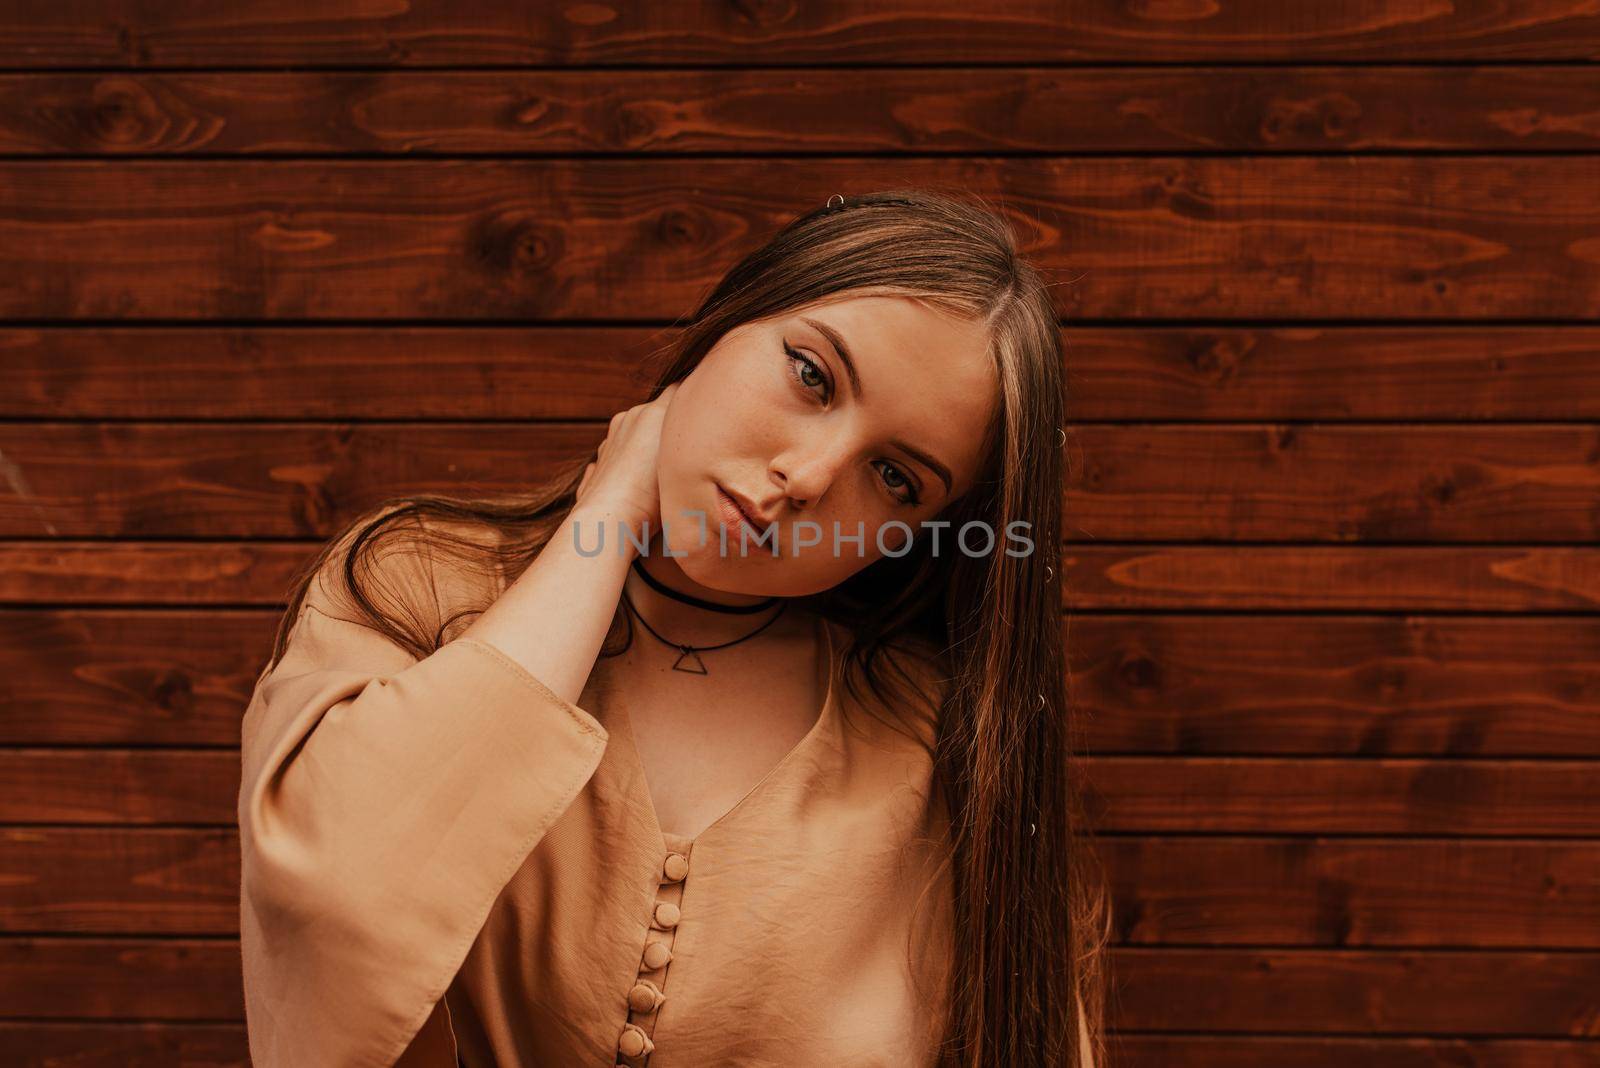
{"type": "Point", "coordinates": [667, 915]}
{"type": "Point", "coordinates": [633, 1042]}
{"type": "Point", "coordinates": [656, 955]}
{"type": "Point", "coordinates": [645, 996]}
{"type": "Point", "coordinates": [674, 868]}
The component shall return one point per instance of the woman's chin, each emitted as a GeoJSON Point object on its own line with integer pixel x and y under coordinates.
{"type": "Point", "coordinates": [707, 562]}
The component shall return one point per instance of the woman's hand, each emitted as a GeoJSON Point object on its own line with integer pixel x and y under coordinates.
{"type": "Point", "coordinates": [622, 480]}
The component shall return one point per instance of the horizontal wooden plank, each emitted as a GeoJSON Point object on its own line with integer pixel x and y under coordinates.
{"type": "Point", "coordinates": [156, 1045]}
{"type": "Point", "coordinates": [1136, 1050]}
{"type": "Point", "coordinates": [119, 881]}
{"type": "Point", "coordinates": [1266, 795]}
{"type": "Point", "coordinates": [1348, 685]}
{"type": "Point", "coordinates": [1357, 993]}
{"type": "Point", "coordinates": [1314, 577]}
{"type": "Point", "coordinates": [1259, 795]}
{"type": "Point", "coordinates": [1191, 238]}
{"type": "Point", "coordinates": [88, 1044]}
{"type": "Point", "coordinates": [169, 573]}
{"type": "Point", "coordinates": [145, 678]}
{"type": "Point", "coordinates": [875, 110]}
{"type": "Point", "coordinates": [1353, 892]}
{"type": "Point", "coordinates": [104, 33]}
{"type": "Point", "coordinates": [259, 480]}
{"type": "Point", "coordinates": [119, 786]}
{"type": "Point", "coordinates": [1159, 997]}
{"type": "Point", "coordinates": [1167, 890]}
{"type": "Point", "coordinates": [385, 372]}
{"type": "Point", "coordinates": [1420, 483]}
{"type": "Point", "coordinates": [1140, 684]}
{"type": "Point", "coordinates": [84, 979]}
{"type": "Point", "coordinates": [1132, 373]}
{"type": "Point", "coordinates": [130, 1045]}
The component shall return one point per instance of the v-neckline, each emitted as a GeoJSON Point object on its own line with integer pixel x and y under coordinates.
{"type": "Point", "coordinates": [620, 722]}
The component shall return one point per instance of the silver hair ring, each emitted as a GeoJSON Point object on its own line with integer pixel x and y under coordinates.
{"type": "Point", "coordinates": [841, 200]}
{"type": "Point", "coordinates": [1041, 702]}
{"type": "Point", "coordinates": [1063, 440]}
{"type": "Point", "coordinates": [1049, 572]}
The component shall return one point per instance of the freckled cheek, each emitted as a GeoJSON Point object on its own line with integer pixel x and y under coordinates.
{"type": "Point", "coordinates": [682, 460]}
{"type": "Point", "coordinates": [737, 405]}
{"type": "Point", "coordinates": [697, 447]}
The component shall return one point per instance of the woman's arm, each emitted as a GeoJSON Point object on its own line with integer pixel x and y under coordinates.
{"type": "Point", "coordinates": [553, 619]}
{"type": "Point", "coordinates": [386, 801]}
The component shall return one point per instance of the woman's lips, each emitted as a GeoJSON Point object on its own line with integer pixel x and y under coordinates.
{"type": "Point", "coordinates": [732, 514]}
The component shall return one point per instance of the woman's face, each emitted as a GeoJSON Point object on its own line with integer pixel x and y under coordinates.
{"type": "Point", "coordinates": [774, 416]}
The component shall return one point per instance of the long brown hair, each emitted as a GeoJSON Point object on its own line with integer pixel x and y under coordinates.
{"type": "Point", "coordinates": [1030, 908]}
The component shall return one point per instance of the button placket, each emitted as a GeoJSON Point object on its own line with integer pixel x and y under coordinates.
{"type": "Point", "coordinates": [646, 996]}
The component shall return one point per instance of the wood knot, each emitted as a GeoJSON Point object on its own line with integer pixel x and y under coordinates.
{"type": "Point", "coordinates": [514, 242]}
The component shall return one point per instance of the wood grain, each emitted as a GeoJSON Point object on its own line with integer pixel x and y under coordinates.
{"type": "Point", "coordinates": [108, 33]}
{"type": "Point", "coordinates": [1357, 993]}
{"type": "Point", "coordinates": [1205, 795]}
{"type": "Point", "coordinates": [1334, 373]}
{"type": "Point", "coordinates": [1182, 889]}
{"type": "Point", "coordinates": [471, 240]}
{"type": "Point", "coordinates": [1372, 578]}
{"type": "Point", "coordinates": [877, 111]}
{"type": "Point", "coordinates": [1146, 683]}
{"type": "Point", "coordinates": [1327, 279]}
{"type": "Point", "coordinates": [1432, 484]}
{"type": "Point", "coordinates": [1327, 994]}
{"type": "Point", "coordinates": [156, 1045]}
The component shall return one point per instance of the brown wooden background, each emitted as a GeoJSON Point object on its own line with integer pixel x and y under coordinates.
{"type": "Point", "coordinates": [1330, 284]}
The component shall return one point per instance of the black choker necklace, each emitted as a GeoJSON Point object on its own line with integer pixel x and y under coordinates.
{"type": "Point", "coordinates": [732, 609]}
{"type": "Point", "coordinates": [689, 655]}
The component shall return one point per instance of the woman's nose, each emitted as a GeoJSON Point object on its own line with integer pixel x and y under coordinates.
{"type": "Point", "coordinates": [805, 474]}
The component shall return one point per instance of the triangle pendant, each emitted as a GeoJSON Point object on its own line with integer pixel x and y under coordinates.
{"type": "Point", "coordinates": [691, 657]}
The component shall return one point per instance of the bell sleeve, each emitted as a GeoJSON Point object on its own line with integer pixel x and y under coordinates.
{"type": "Point", "coordinates": [384, 803]}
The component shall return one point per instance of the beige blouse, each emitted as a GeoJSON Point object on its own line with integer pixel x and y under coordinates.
{"type": "Point", "coordinates": [442, 858]}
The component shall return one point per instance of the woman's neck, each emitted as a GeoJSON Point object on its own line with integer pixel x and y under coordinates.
{"type": "Point", "coordinates": [689, 623]}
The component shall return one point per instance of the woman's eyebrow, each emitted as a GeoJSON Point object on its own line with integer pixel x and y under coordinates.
{"type": "Point", "coordinates": [840, 349]}
{"type": "Point", "coordinates": [928, 461]}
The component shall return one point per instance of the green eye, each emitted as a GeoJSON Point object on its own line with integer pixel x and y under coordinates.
{"type": "Point", "coordinates": [806, 366]}
{"type": "Point", "coordinates": [911, 497]}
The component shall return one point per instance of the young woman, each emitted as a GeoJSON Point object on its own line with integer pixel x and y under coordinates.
{"type": "Point", "coordinates": [816, 808]}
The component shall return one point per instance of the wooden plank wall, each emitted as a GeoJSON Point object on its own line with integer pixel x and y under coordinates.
{"type": "Point", "coordinates": [1328, 275]}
